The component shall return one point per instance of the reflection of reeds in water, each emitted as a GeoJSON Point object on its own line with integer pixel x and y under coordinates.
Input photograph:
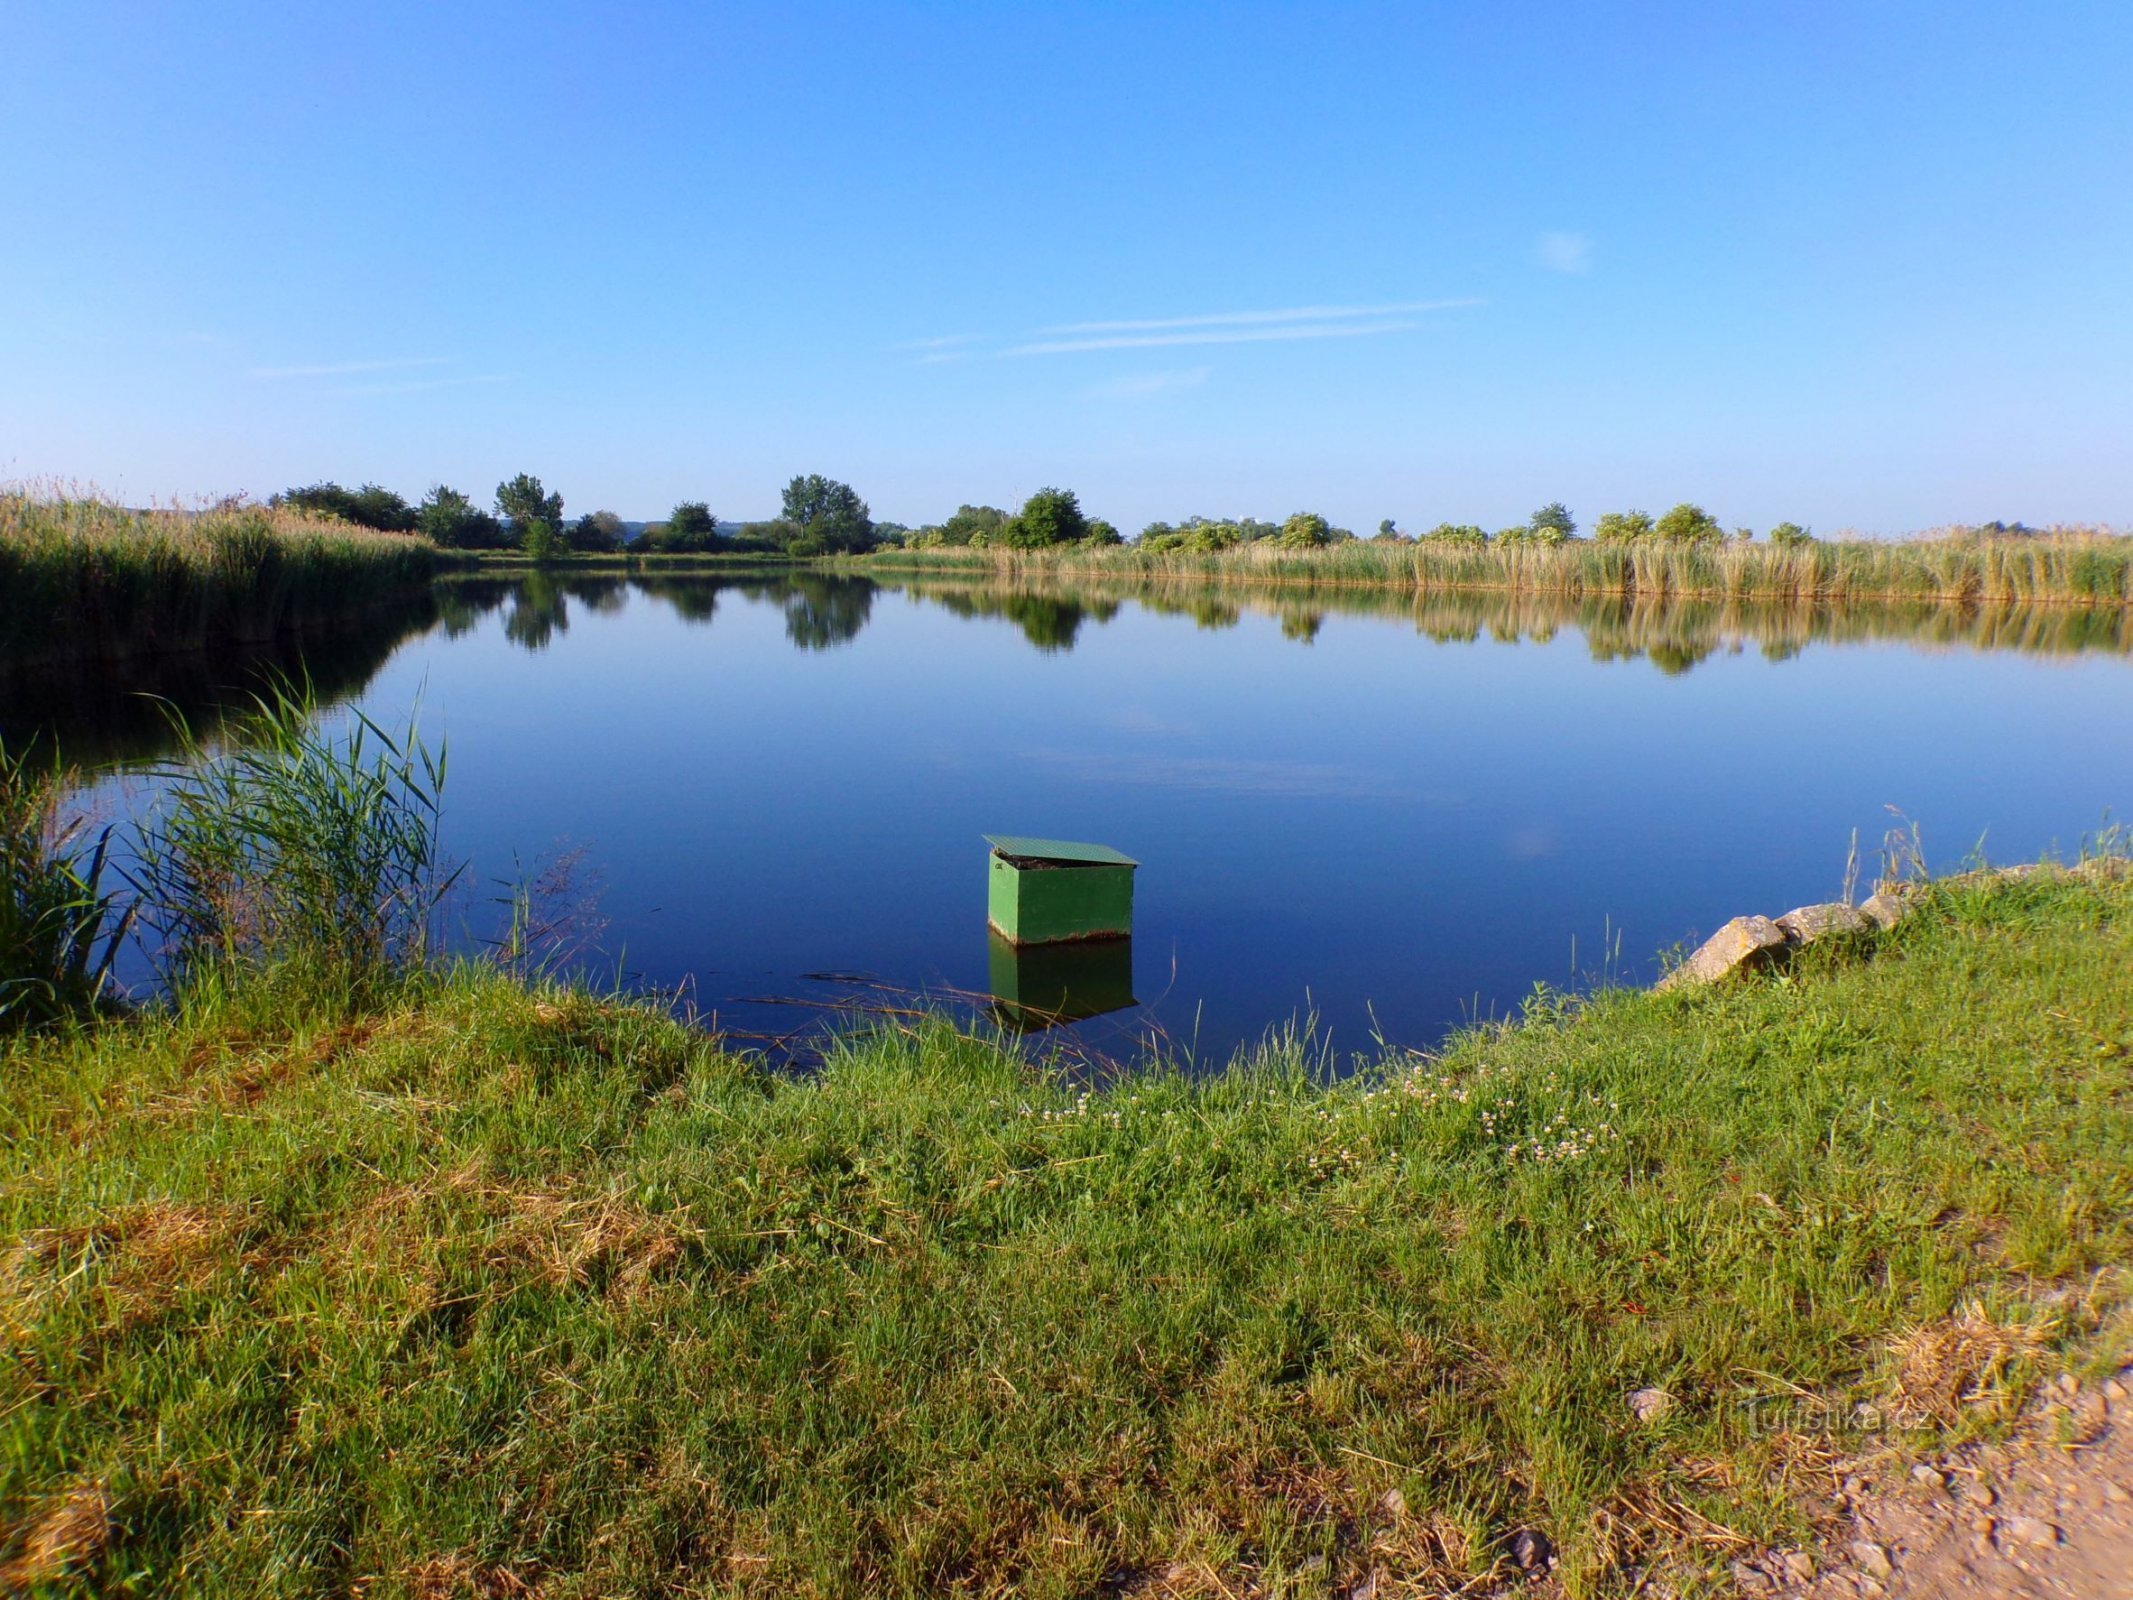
{"type": "Point", "coordinates": [1674, 632]}
{"type": "Point", "coordinates": [2077, 566]}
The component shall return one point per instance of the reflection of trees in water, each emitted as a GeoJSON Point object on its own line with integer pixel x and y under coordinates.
{"type": "Point", "coordinates": [540, 609]}
{"type": "Point", "coordinates": [822, 611]}
{"type": "Point", "coordinates": [1674, 635]}
{"type": "Point", "coordinates": [113, 715]}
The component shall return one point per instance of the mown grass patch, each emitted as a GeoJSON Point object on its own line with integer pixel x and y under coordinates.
{"type": "Point", "coordinates": [501, 1289]}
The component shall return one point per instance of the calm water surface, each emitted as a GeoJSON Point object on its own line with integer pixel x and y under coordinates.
{"type": "Point", "coordinates": [1395, 821]}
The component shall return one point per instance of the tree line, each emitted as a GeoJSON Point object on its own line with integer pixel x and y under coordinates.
{"type": "Point", "coordinates": [817, 516]}
{"type": "Point", "coordinates": [821, 516]}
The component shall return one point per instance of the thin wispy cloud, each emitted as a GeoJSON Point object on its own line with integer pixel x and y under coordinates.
{"type": "Point", "coordinates": [1566, 252]}
{"type": "Point", "coordinates": [1219, 319]}
{"type": "Point", "coordinates": [1143, 385]}
{"type": "Point", "coordinates": [343, 369]}
{"type": "Point", "coordinates": [1153, 341]}
{"type": "Point", "coordinates": [1271, 325]}
{"type": "Point", "coordinates": [418, 385]}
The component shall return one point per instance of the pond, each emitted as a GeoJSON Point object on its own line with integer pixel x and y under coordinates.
{"type": "Point", "coordinates": [1393, 815]}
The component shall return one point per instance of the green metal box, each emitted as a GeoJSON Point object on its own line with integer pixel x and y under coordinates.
{"type": "Point", "coordinates": [1044, 890]}
{"type": "Point", "coordinates": [1039, 986]}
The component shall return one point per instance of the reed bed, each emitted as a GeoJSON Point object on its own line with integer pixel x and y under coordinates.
{"type": "Point", "coordinates": [2061, 566]}
{"type": "Point", "coordinates": [83, 578]}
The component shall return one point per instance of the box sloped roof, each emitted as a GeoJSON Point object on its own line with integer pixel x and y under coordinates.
{"type": "Point", "coordinates": [1022, 849]}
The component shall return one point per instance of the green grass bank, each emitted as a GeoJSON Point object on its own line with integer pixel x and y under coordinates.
{"type": "Point", "coordinates": [499, 1289]}
{"type": "Point", "coordinates": [2075, 567]}
{"type": "Point", "coordinates": [88, 580]}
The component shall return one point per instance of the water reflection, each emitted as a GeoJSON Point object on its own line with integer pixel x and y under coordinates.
{"type": "Point", "coordinates": [115, 716]}
{"type": "Point", "coordinates": [119, 714]}
{"type": "Point", "coordinates": [824, 610]}
{"type": "Point", "coordinates": [1041, 986]}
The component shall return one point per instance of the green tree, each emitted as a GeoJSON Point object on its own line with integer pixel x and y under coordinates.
{"type": "Point", "coordinates": [1553, 523]}
{"type": "Point", "coordinates": [1462, 533]}
{"type": "Point", "coordinates": [829, 516]}
{"type": "Point", "coordinates": [1689, 524]}
{"type": "Point", "coordinates": [1790, 536]}
{"type": "Point", "coordinates": [596, 533]}
{"type": "Point", "coordinates": [970, 521]}
{"type": "Point", "coordinates": [448, 518]}
{"type": "Point", "coordinates": [522, 501]}
{"type": "Point", "coordinates": [1622, 527]}
{"type": "Point", "coordinates": [539, 539]}
{"type": "Point", "coordinates": [1306, 530]}
{"type": "Point", "coordinates": [1048, 517]}
{"type": "Point", "coordinates": [691, 529]}
{"type": "Point", "coordinates": [1389, 531]}
{"type": "Point", "coordinates": [372, 506]}
{"type": "Point", "coordinates": [1102, 532]}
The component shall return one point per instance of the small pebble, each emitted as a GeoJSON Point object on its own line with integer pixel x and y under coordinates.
{"type": "Point", "coordinates": [1798, 1566]}
{"type": "Point", "coordinates": [1394, 1503]}
{"type": "Point", "coordinates": [1982, 1493]}
{"type": "Point", "coordinates": [1982, 1526]}
{"type": "Point", "coordinates": [2030, 1530]}
{"type": "Point", "coordinates": [1928, 1477]}
{"type": "Point", "coordinates": [1751, 1580]}
{"type": "Point", "coordinates": [1649, 1405]}
{"type": "Point", "coordinates": [1532, 1551]}
{"type": "Point", "coordinates": [1871, 1558]}
{"type": "Point", "coordinates": [2113, 1389]}
{"type": "Point", "coordinates": [2115, 1493]}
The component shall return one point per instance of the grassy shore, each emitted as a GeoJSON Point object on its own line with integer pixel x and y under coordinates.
{"type": "Point", "coordinates": [497, 1289]}
{"type": "Point", "coordinates": [85, 579]}
{"type": "Point", "coordinates": [2071, 567]}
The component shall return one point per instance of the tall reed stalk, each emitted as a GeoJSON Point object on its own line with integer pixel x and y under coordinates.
{"type": "Point", "coordinates": [299, 860]}
{"type": "Point", "coordinates": [59, 928]}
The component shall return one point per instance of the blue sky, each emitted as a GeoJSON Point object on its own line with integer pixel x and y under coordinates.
{"type": "Point", "coordinates": [1860, 265]}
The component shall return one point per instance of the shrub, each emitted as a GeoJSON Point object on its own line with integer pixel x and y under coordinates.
{"type": "Point", "coordinates": [1306, 530]}
{"type": "Point", "coordinates": [1622, 527]}
{"type": "Point", "coordinates": [1048, 517]}
{"type": "Point", "coordinates": [448, 518]}
{"type": "Point", "coordinates": [1553, 518]}
{"type": "Point", "coordinates": [540, 541]}
{"type": "Point", "coordinates": [596, 533]}
{"type": "Point", "coordinates": [1457, 533]}
{"type": "Point", "coordinates": [1689, 524]}
{"type": "Point", "coordinates": [692, 529]}
{"type": "Point", "coordinates": [372, 506]}
{"type": "Point", "coordinates": [1790, 536]}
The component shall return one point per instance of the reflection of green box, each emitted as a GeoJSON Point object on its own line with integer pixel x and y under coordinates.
{"type": "Point", "coordinates": [1038, 985]}
{"type": "Point", "coordinates": [1043, 890]}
